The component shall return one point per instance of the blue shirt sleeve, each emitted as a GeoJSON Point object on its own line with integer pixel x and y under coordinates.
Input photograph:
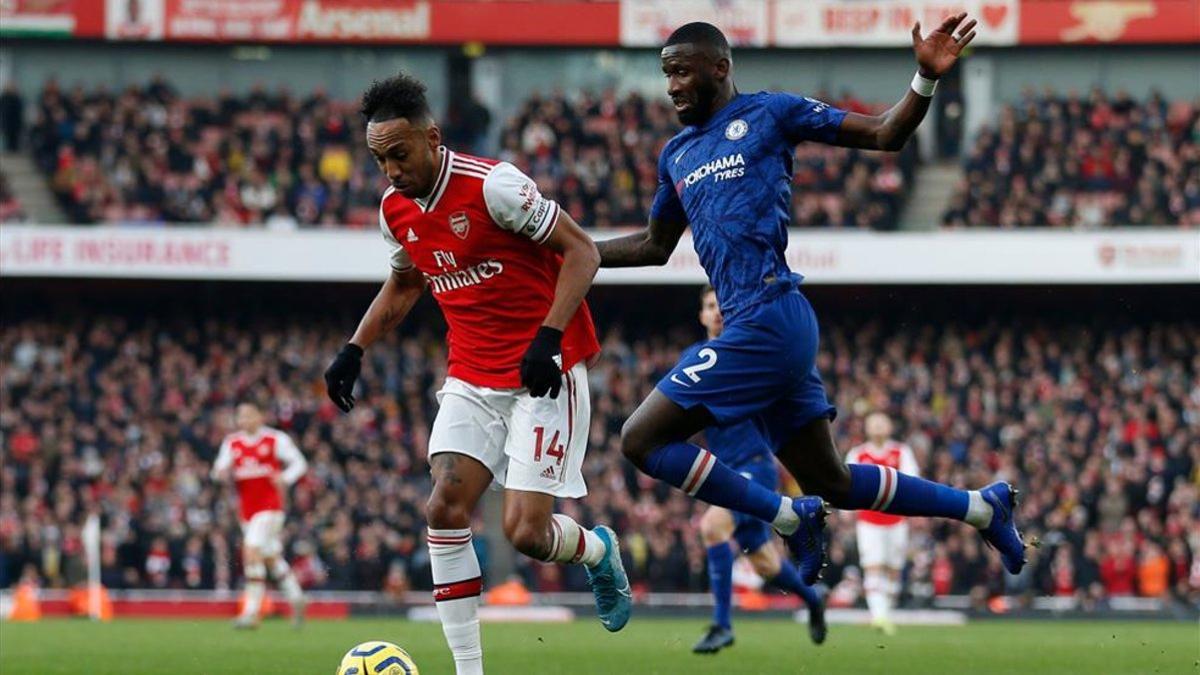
{"type": "Point", "coordinates": [806, 119]}
{"type": "Point", "coordinates": [666, 206]}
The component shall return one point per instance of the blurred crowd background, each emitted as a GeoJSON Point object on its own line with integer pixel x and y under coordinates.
{"type": "Point", "coordinates": [121, 412]}
{"type": "Point", "coordinates": [285, 160]}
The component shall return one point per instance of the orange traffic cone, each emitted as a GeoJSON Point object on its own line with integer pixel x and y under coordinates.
{"type": "Point", "coordinates": [80, 600]}
{"type": "Point", "coordinates": [267, 608]}
{"type": "Point", "coordinates": [25, 604]}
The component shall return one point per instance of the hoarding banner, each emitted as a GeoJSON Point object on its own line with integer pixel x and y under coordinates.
{"type": "Point", "coordinates": [1113, 256]}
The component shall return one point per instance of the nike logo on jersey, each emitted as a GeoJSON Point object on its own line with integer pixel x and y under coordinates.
{"type": "Point", "coordinates": [676, 380]}
{"type": "Point", "coordinates": [724, 168]}
{"type": "Point", "coordinates": [679, 156]}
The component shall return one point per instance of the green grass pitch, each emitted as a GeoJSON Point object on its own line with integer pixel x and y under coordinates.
{"type": "Point", "coordinates": [172, 647]}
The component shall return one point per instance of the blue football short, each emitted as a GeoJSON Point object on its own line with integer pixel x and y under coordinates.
{"type": "Point", "coordinates": [762, 368]}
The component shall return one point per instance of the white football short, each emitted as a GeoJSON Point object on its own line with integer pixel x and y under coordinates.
{"type": "Point", "coordinates": [532, 444]}
{"type": "Point", "coordinates": [264, 531]}
{"type": "Point", "coordinates": [883, 545]}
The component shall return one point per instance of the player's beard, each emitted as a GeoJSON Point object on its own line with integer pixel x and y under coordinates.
{"type": "Point", "coordinates": [701, 109]}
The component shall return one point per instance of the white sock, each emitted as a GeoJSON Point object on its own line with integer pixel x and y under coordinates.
{"type": "Point", "coordinates": [287, 581]}
{"type": "Point", "coordinates": [256, 575]}
{"type": "Point", "coordinates": [893, 594]}
{"type": "Point", "coordinates": [572, 543]}
{"type": "Point", "coordinates": [875, 588]}
{"type": "Point", "coordinates": [786, 521]}
{"type": "Point", "coordinates": [457, 584]}
{"type": "Point", "coordinates": [979, 512]}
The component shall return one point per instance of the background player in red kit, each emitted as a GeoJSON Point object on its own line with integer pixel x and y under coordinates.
{"type": "Point", "coordinates": [510, 271]}
{"type": "Point", "coordinates": [264, 462]}
{"type": "Point", "coordinates": [882, 537]}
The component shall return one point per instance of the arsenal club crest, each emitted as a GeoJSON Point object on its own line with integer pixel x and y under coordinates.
{"type": "Point", "coordinates": [460, 224]}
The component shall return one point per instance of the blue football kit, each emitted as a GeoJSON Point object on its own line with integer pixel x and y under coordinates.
{"type": "Point", "coordinates": [730, 179]}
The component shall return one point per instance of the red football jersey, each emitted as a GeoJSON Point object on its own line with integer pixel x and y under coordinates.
{"type": "Point", "coordinates": [891, 454]}
{"type": "Point", "coordinates": [477, 239]}
{"type": "Point", "coordinates": [256, 460]}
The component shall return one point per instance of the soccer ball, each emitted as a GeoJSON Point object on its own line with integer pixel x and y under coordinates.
{"type": "Point", "coordinates": [377, 658]}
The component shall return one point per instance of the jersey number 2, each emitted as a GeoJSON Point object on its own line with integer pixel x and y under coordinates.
{"type": "Point", "coordinates": [709, 359]}
{"type": "Point", "coordinates": [555, 450]}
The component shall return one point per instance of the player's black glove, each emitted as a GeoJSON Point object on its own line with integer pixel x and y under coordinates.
{"type": "Point", "coordinates": [541, 367]}
{"type": "Point", "coordinates": [341, 374]}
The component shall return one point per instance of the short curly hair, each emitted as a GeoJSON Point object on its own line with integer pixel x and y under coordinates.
{"type": "Point", "coordinates": [399, 96]}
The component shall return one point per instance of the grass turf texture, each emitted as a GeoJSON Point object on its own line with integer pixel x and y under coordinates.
{"type": "Point", "coordinates": [172, 647]}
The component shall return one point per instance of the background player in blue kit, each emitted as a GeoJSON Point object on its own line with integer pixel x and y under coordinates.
{"type": "Point", "coordinates": [728, 175]}
{"type": "Point", "coordinates": [743, 448]}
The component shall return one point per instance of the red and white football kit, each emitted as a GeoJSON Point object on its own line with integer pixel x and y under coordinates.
{"type": "Point", "coordinates": [477, 240]}
{"type": "Point", "coordinates": [256, 461]}
{"type": "Point", "coordinates": [883, 537]}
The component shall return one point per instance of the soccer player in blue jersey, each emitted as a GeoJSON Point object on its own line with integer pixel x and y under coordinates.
{"type": "Point", "coordinates": [728, 176]}
{"type": "Point", "coordinates": [743, 448]}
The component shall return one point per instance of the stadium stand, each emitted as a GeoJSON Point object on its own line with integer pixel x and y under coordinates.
{"type": "Point", "coordinates": [1067, 160]}
{"type": "Point", "coordinates": [146, 155]}
{"type": "Point", "coordinates": [122, 414]}
{"type": "Point", "coordinates": [11, 210]}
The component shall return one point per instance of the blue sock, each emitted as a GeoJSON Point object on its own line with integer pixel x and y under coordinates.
{"type": "Point", "coordinates": [720, 581]}
{"type": "Point", "coordinates": [697, 472]}
{"type": "Point", "coordinates": [788, 579]}
{"type": "Point", "coordinates": [879, 488]}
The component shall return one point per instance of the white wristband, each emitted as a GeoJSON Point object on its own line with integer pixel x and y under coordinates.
{"type": "Point", "coordinates": [923, 86]}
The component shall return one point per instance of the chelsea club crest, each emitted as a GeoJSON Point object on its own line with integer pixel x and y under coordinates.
{"type": "Point", "coordinates": [736, 129]}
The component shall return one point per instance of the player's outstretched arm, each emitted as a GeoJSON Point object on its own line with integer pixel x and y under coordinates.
{"type": "Point", "coordinates": [399, 293]}
{"type": "Point", "coordinates": [395, 299]}
{"type": "Point", "coordinates": [936, 55]}
{"type": "Point", "coordinates": [652, 246]}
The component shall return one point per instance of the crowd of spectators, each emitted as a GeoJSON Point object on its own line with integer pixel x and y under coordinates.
{"type": "Point", "coordinates": [148, 155]}
{"type": "Point", "coordinates": [597, 154]}
{"type": "Point", "coordinates": [1091, 161]}
{"type": "Point", "coordinates": [1099, 425]}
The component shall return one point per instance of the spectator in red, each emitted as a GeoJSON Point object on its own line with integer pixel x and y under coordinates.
{"type": "Point", "coordinates": [1118, 569]}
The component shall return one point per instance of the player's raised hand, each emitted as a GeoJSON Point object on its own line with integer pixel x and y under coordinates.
{"type": "Point", "coordinates": [938, 51]}
{"type": "Point", "coordinates": [341, 375]}
{"type": "Point", "coordinates": [541, 367]}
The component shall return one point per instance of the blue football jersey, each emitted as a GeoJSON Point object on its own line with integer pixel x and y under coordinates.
{"type": "Point", "coordinates": [737, 444]}
{"type": "Point", "coordinates": [731, 180]}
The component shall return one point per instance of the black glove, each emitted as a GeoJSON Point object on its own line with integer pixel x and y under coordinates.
{"type": "Point", "coordinates": [541, 367]}
{"type": "Point", "coordinates": [341, 374]}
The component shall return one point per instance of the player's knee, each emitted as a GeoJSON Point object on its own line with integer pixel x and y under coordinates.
{"type": "Point", "coordinates": [528, 537]}
{"type": "Point", "coordinates": [636, 442]}
{"type": "Point", "coordinates": [765, 562]}
{"type": "Point", "coordinates": [445, 514]}
{"type": "Point", "coordinates": [715, 526]}
{"type": "Point", "coordinates": [251, 555]}
{"type": "Point", "coordinates": [833, 486]}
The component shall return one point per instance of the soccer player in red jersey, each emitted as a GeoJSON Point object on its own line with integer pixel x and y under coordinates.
{"type": "Point", "coordinates": [264, 462]}
{"type": "Point", "coordinates": [510, 270]}
{"type": "Point", "coordinates": [882, 537]}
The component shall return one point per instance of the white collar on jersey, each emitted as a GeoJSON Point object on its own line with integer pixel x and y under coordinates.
{"type": "Point", "coordinates": [439, 185]}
